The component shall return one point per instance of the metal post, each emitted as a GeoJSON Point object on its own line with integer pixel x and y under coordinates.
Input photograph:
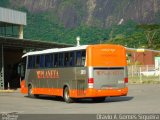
{"type": "Point", "coordinates": [140, 75]}
{"type": "Point", "coordinates": [132, 71]}
{"type": "Point", "coordinates": [159, 72]}
{"type": "Point", "coordinates": [1, 68]}
{"type": "Point", "coordinates": [20, 32]}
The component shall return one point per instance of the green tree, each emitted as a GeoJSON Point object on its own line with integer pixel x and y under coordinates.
{"type": "Point", "coordinates": [150, 32]}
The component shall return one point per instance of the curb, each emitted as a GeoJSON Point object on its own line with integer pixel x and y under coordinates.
{"type": "Point", "coordinates": [7, 91]}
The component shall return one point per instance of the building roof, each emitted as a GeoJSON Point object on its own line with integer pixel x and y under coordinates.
{"type": "Point", "coordinates": [12, 16]}
{"type": "Point", "coordinates": [141, 50]}
{"type": "Point", "coordinates": [32, 44]}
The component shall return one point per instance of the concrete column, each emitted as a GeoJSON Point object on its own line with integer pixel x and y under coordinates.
{"type": "Point", "coordinates": [1, 67]}
{"type": "Point", "coordinates": [21, 32]}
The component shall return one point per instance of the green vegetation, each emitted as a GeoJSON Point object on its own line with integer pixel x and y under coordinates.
{"type": "Point", "coordinates": [41, 27]}
{"type": "Point", "coordinates": [46, 26]}
{"type": "Point", "coordinates": [144, 80]}
{"type": "Point", "coordinates": [133, 35]}
{"type": "Point", "coordinates": [4, 3]}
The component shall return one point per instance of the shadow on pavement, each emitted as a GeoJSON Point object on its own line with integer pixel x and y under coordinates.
{"type": "Point", "coordinates": [42, 97]}
{"type": "Point", "coordinates": [107, 100]}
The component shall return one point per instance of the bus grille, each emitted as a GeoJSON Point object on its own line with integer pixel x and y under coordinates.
{"type": "Point", "coordinates": [80, 87]}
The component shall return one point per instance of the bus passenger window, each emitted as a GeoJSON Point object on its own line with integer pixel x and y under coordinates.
{"type": "Point", "coordinates": [49, 60]}
{"type": "Point", "coordinates": [66, 59]}
{"type": "Point", "coordinates": [42, 61]}
{"type": "Point", "coordinates": [78, 58]}
{"type": "Point", "coordinates": [37, 65]}
{"type": "Point", "coordinates": [31, 62]}
{"type": "Point", "coordinates": [72, 59]}
{"type": "Point", "coordinates": [83, 58]}
{"type": "Point", "coordinates": [61, 60]}
{"type": "Point", "coordinates": [55, 60]}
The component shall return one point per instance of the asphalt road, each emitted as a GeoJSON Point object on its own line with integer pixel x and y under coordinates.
{"type": "Point", "coordinates": [141, 99]}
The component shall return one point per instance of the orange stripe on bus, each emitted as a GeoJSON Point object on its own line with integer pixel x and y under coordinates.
{"type": "Point", "coordinates": [48, 91]}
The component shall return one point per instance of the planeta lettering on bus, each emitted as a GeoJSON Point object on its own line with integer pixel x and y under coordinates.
{"type": "Point", "coordinates": [41, 74]}
{"type": "Point", "coordinates": [108, 50]}
{"type": "Point", "coordinates": [115, 72]}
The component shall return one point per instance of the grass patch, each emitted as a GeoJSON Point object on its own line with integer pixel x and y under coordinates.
{"type": "Point", "coordinates": [6, 91]}
{"type": "Point", "coordinates": [144, 80]}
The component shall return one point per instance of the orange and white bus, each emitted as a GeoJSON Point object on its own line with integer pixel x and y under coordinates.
{"type": "Point", "coordinates": [88, 71]}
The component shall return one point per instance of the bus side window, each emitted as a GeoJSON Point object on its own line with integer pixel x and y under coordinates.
{"type": "Point", "coordinates": [55, 60]}
{"type": "Point", "coordinates": [66, 59]}
{"type": "Point", "coordinates": [72, 59]}
{"type": "Point", "coordinates": [83, 58]}
{"type": "Point", "coordinates": [37, 65]}
{"type": "Point", "coordinates": [31, 62]}
{"type": "Point", "coordinates": [42, 61]}
{"type": "Point", "coordinates": [78, 58]}
{"type": "Point", "coordinates": [61, 60]}
{"type": "Point", "coordinates": [49, 60]}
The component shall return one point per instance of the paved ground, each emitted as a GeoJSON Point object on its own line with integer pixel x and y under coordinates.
{"type": "Point", "coordinates": [141, 99]}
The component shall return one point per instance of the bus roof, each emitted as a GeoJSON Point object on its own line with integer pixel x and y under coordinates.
{"type": "Point", "coordinates": [54, 50]}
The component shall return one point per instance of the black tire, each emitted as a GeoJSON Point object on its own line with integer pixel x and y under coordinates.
{"type": "Point", "coordinates": [30, 94]}
{"type": "Point", "coordinates": [36, 95]}
{"type": "Point", "coordinates": [99, 99]}
{"type": "Point", "coordinates": [66, 96]}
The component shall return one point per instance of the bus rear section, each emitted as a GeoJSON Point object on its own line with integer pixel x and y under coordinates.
{"type": "Point", "coordinates": [107, 71]}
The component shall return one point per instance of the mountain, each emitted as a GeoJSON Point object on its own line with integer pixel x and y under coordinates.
{"type": "Point", "coordinates": [102, 13]}
{"type": "Point", "coordinates": [93, 20]}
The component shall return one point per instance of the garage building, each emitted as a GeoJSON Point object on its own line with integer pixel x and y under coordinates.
{"type": "Point", "coordinates": [13, 46]}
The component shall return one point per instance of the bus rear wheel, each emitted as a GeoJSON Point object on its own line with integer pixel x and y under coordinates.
{"type": "Point", "coordinates": [99, 99]}
{"type": "Point", "coordinates": [66, 96]}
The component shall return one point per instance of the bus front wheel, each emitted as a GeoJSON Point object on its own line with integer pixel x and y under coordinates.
{"type": "Point", "coordinates": [30, 91]}
{"type": "Point", "coordinates": [66, 96]}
